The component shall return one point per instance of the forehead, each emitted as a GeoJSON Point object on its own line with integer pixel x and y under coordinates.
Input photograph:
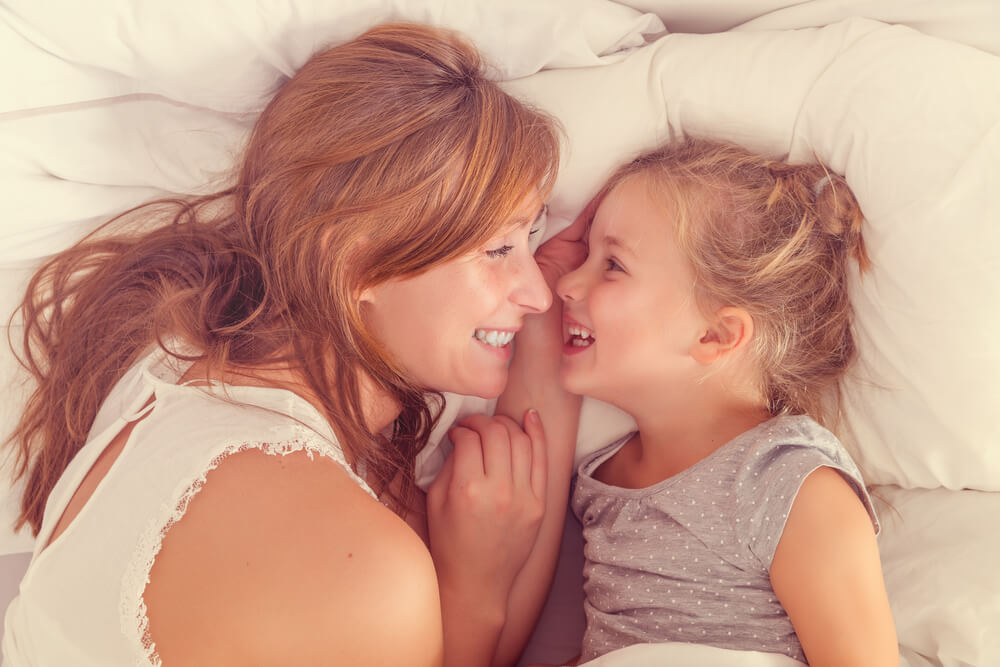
{"type": "Point", "coordinates": [525, 214]}
{"type": "Point", "coordinates": [632, 215]}
{"type": "Point", "coordinates": [529, 207]}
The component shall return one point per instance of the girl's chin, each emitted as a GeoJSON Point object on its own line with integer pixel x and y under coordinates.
{"type": "Point", "coordinates": [572, 382]}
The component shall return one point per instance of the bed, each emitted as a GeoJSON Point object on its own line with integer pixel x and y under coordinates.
{"type": "Point", "coordinates": [110, 103]}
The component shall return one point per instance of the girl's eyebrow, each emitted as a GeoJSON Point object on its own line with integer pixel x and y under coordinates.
{"type": "Point", "coordinates": [618, 243]}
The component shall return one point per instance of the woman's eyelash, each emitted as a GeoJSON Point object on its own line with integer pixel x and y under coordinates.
{"type": "Point", "coordinates": [499, 252]}
{"type": "Point", "coordinates": [542, 216]}
{"type": "Point", "coordinates": [613, 265]}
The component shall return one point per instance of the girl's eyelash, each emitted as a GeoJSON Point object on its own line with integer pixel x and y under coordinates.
{"type": "Point", "coordinates": [613, 265]}
{"type": "Point", "coordinates": [499, 252]}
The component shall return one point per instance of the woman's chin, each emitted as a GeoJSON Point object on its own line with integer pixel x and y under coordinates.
{"type": "Point", "coordinates": [486, 387]}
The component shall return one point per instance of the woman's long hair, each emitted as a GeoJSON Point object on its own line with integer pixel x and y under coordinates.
{"type": "Point", "coordinates": [380, 158]}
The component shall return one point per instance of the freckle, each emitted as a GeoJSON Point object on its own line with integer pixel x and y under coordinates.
{"type": "Point", "coordinates": [350, 555]}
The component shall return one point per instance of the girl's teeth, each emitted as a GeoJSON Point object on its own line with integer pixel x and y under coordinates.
{"type": "Point", "coordinates": [494, 337]}
{"type": "Point", "coordinates": [577, 332]}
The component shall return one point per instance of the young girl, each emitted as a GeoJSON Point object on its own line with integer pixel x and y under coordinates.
{"type": "Point", "coordinates": [713, 307]}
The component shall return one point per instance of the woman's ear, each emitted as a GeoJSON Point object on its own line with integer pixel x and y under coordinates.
{"type": "Point", "coordinates": [728, 332]}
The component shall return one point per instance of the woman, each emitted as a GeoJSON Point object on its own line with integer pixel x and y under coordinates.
{"type": "Point", "coordinates": [219, 451]}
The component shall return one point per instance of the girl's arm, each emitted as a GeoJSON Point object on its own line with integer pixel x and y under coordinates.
{"type": "Point", "coordinates": [827, 574]}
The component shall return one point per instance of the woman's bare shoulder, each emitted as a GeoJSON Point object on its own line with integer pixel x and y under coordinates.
{"type": "Point", "coordinates": [286, 559]}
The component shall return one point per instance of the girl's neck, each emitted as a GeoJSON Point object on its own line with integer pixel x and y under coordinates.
{"type": "Point", "coordinates": [670, 442]}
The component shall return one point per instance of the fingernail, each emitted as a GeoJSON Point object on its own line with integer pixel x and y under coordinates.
{"type": "Point", "coordinates": [533, 415]}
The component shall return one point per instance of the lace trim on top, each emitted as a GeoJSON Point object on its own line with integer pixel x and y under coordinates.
{"type": "Point", "coordinates": [135, 622]}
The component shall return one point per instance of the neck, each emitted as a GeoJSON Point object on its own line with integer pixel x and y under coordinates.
{"type": "Point", "coordinates": [378, 407]}
{"type": "Point", "coordinates": [692, 426]}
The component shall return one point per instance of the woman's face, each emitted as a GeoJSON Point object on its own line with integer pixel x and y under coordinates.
{"type": "Point", "coordinates": [451, 326]}
{"type": "Point", "coordinates": [630, 314]}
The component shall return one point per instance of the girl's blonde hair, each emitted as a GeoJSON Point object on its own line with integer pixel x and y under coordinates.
{"type": "Point", "coordinates": [777, 240]}
{"type": "Point", "coordinates": [380, 158]}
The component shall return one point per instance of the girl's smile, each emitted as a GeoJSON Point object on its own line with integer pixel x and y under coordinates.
{"type": "Point", "coordinates": [630, 313]}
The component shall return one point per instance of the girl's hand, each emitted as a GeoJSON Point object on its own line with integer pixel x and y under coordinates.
{"type": "Point", "coordinates": [485, 507]}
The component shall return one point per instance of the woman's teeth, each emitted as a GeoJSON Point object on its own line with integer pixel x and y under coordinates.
{"type": "Point", "coordinates": [494, 337]}
{"type": "Point", "coordinates": [580, 337]}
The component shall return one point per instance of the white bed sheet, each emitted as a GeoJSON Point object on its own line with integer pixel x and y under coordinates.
{"type": "Point", "coordinates": [104, 111]}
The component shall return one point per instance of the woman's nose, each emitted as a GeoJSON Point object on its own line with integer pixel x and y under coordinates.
{"type": "Point", "coordinates": [531, 291]}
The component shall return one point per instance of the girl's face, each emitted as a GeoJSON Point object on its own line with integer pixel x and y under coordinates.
{"type": "Point", "coordinates": [451, 327]}
{"type": "Point", "coordinates": [630, 315]}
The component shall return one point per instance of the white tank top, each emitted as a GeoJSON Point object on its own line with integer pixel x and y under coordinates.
{"type": "Point", "coordinates": [80, 602]}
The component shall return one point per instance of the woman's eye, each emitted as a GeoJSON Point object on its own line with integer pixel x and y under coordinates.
{"type": "Point", "coordinates": [499, 252]}
{"type": "Point", "coordinates": [539, 223]}
{"type": "Point", "coordinates": [612, 265]}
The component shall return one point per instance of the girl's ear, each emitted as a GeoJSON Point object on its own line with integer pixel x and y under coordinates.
{"type": "Point", "coordinates": [729, 332]}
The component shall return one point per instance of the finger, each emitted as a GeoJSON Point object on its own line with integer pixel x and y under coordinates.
{"type": "Point", "coordinates": [468, 453]}
{"type": "Point", "coordinates": [439, 487]}
{"type": "Point", "coordinates": [539, 452]}
{"type": "Point", "coordinates": [495, 445]}
{"type": "Point", "coordinates": [520, 452]}
{"type": "Point", "coordinates": [578, 228]}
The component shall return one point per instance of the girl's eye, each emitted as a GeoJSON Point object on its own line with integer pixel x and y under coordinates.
{"type": "Point", "coordinates": [499, 252]}
{"type": "Point", "coordinates": [613, 265]}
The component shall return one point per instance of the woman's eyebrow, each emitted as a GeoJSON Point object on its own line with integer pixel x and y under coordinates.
{"type": "Point", "coordinates": [521, 222]}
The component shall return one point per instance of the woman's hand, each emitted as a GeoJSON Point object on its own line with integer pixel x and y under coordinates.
{"type": "Point", "coordinates": [566, 250]}
{"type": "Point", "coordinates": [483, 512]}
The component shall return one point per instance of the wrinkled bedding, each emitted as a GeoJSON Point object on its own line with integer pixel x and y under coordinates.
{"type": "Point", "coordinates": [112, 103]}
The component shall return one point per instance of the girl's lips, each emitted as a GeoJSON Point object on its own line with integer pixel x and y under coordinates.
{"type": "Point", "coordinates": [570, 349]}
{"type": "Point", "coordinates": [577, 338]}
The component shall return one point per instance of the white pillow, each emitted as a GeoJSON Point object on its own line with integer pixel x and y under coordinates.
{"type": "Point", "coordinates": [972, 22]}
{"type": "Point", "coordinates": [912, 122]}
{"type": "Point", "coordinates": [231, 54]}
{"type": "Point", "coordinates": [940, 550]}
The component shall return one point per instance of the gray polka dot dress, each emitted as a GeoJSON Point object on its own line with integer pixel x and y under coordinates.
{"type": "Point", "coordinates": [688, 559]}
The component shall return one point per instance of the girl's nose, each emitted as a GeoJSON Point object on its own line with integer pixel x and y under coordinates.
{"type": "Point", "coordinates": [570, 287]}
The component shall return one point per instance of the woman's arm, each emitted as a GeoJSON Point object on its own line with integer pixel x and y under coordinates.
{"type": "Point", "coordinates": [499, 502]}
{"type": "Point", "coordinates": [827, 574]}
{"type": "Point", "coordinates": [484, 509]}
{"type": "Point", "coordinates": [533, 383]}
